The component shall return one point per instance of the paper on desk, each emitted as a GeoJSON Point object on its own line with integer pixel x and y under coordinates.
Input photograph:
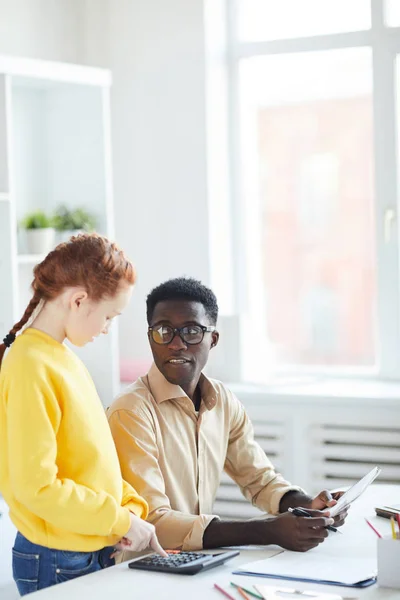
{"type": "Point", "coordinates": [355, 491]}
{"type": "Point", "coordinates": [275, 593]}
{"type": "Point", "coordinates": [268, 552]}
{"type": "Point", "coordinates": [316, 566]}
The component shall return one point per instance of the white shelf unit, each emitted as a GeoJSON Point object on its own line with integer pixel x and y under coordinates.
{"type": "Point", "coordinates": [54, 150]}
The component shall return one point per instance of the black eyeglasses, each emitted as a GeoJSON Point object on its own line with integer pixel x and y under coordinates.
{"type": "Point", "coordinates": [190, 334]}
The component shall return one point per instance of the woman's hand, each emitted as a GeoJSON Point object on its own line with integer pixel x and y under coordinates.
{"type": "Point", "coordinates": [140, 536]}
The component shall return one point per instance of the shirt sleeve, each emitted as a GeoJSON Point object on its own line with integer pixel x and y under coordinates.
{"type": "Point", "coordinates": [136, 443]}
{"type": "Point", "coordinates": [133, 502]}
{"type": "Point", "coordinates": [248, 465]}
{"type": "Point", "coordinates": [33, 418]}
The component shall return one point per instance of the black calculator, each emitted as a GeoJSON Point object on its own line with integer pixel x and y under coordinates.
{"type": "Point", "coordinates": [185, 563]}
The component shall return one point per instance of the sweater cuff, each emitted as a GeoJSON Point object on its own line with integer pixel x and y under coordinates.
{"type": "Point", "coordinates": [123, 523]}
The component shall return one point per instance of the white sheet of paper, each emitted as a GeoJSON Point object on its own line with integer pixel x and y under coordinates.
{"type": "Point", "coordinates": [337, 559]}
{"type": "Point", "coordinates": [268, 552]}
{"type": "Point", "coordinates": [275, 593]}
{"type": "Point", "coordinates": [355, 491]}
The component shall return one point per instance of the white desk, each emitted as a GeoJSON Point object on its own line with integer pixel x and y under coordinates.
{"type": "Point", "coordinates": [119, 582]}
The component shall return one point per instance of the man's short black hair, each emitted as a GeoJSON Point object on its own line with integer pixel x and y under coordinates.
{"type": "Point", "coordinates": [183, 288]}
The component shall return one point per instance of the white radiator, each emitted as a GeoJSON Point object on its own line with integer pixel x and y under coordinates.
{"type": "Point", "coordinates": [343, 454]}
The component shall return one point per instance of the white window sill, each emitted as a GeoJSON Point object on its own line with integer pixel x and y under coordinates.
{"type": "Point", "coordinates": [334, 389]}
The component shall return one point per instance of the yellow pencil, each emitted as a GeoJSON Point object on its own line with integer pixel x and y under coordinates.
{"type": "Point", "coordinates": [393, 529]}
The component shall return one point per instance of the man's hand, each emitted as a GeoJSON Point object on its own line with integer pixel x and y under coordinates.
{"type": "Point", "coordinates": [298, 533]}
{"type": "Point", "coordinates": [326, 499]}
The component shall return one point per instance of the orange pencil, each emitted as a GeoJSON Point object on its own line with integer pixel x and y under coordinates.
{"type": "Point", "coordinates": [242, 593]}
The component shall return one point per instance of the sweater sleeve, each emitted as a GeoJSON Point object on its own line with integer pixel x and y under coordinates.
{"type": "Point", "coordinates": [133, 502]}
{"type": "Point", "coordinates": [34, 415]}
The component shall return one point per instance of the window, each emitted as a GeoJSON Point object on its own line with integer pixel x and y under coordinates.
{"type": "Point", "coordinates": [314, 120]}
{"type": "Point", "coordinates": [272, 19]}
{"type": "Point", "coordinates": [392, 13]}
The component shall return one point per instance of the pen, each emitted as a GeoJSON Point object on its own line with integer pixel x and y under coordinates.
{"type": "Point", "coordinates": [393, 529]}
{"type": "Point", "coordinates": [300, 512]}
{"type": "Point", "coordinates": [249, 592]}
{"type": "Point", "coordinates": [223, 592]}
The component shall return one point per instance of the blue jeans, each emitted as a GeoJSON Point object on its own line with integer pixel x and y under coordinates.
{"type": "Point", "coordinates": [36, 567]}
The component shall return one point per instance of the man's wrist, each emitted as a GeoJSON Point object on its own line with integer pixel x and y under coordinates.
{"type": "Point", "coordinates": [259, 532]}
{"type": "Point", "coordinates": [294, 498]}
{"type": "Point", "coordinates": [234, 533]}
{"type": "Point", "coordinates": [263, 532]}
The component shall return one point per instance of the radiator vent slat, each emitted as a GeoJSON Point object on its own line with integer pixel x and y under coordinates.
{"type": "Point", "coordinates": [354, 470]}
{"type": "Point", "coordinates": [268, 430]}
{"type": "Point", "coordinates": [349, 453]}
{"type": "Point", "coordinates": [376, 437]}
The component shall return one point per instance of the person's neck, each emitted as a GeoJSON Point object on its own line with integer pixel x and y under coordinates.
{"type": "Point", "coordinates": [48, 321]}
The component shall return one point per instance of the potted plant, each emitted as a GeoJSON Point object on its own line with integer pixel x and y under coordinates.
{"type": "Point", "coordinates": [40, 232]}
{"type": "Point", "coordinates": [71, 222]}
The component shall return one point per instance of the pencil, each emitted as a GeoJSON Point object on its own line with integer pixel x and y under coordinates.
{"type": "Point", "coordinates": [398, 522]}
{"type": "Point", "coordinates": [373, 528]}
{"type": "Point", "coordinates": [242, 593]}
{"type": "Point", "coordinates": [248, 592]}
{"type": "Point", "coordinates": [393, 529]}
{"type": "Point", "coordinates": [223, 592]}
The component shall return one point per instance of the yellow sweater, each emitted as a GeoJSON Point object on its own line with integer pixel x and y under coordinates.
{"type": "Point", "coordinates": [59, 470]}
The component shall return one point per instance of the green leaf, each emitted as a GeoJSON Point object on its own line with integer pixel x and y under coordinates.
{"type": "Point", "coordinates": [36, 220]}
{"type": "Point", "coordinates": [65, 219]}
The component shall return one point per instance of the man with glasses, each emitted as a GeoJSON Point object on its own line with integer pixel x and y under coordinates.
{"type": "Point", "coordinates": [176, 431]}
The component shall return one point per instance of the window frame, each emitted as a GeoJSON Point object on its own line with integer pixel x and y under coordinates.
{"type": "Point", "coordinates": [384, 42]}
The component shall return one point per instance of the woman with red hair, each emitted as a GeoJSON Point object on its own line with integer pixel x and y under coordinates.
{"type": "Point", "coordinates": [59, 470]}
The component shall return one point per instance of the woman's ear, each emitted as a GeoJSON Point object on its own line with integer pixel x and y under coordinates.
{"type": "Point", "coordinates": [77, 298]}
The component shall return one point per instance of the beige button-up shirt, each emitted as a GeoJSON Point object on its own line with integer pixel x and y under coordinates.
{"type": "Point", "coordinates": [174, 458]}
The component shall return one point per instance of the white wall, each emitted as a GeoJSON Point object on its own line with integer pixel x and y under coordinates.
{"type": "Point", "coordinates": [156, 53]}
{"type": "Point", "coordinates": [47, 29]}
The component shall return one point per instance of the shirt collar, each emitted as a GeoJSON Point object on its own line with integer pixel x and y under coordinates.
{"type": "Point", "coordinates": [163, 390]}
